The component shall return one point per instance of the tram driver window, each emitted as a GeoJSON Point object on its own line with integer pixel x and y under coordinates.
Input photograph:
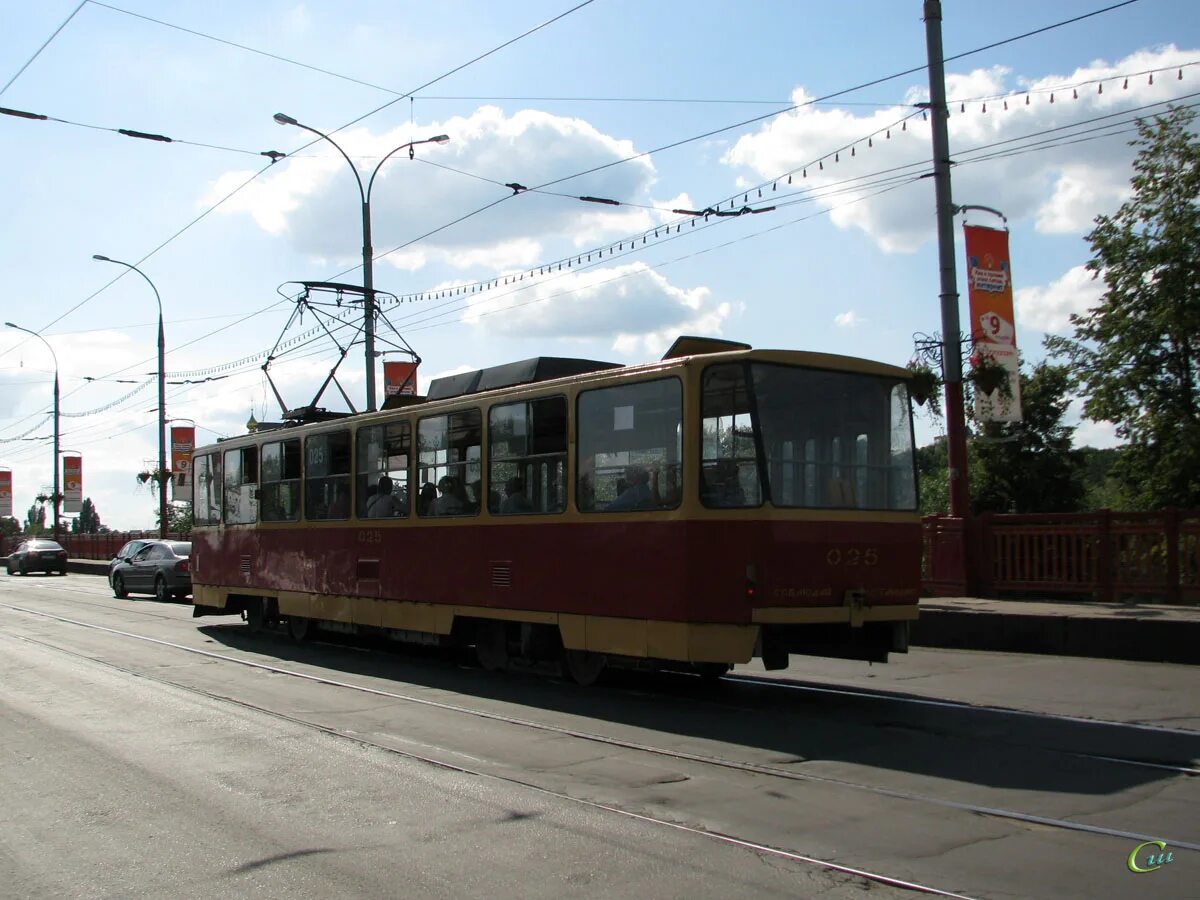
{"type": "Point", "coordinates": [630, 447]}
{"type": "Point", "coordinates": [327, 476]}
{"type": "Point", "coordinates": [241, 486]}
{"type": "Point", "coordinates": [527, 457]}
{"type": "Point", "coordinates": [280, 492]}
{"type": "Point", "coordinates": [449, 467]}
{"type": "Point", "coordinates": [382, 471]}
{"type": "Point", "coordinates": [207, 490]}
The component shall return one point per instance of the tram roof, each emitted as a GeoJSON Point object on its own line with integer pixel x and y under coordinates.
{"type": "Point", "coordinates": [550, 368]}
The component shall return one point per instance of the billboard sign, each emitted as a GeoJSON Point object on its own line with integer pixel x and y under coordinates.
{"type": "Point", "coordinates": [993, 325]}
{"type": "Point", "coordinates": [72, 484]}
{"type": "Point", "coordinates": [5, 493]}
{"type": "Point", "coordinates": [183, 442]}
{"type": "Point", "coordinates": [399, 378]}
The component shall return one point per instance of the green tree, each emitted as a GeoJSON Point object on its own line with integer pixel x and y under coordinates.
{"type": "Point", "coordinates": [1029, 466]}
{"type": "Point", "coordinates": [35, 520]}
{"type": "Point", "coordinates": [1135, 356]}
{"type": "Point", "coordinates": [9, 527]}
{"type": "Point", "coordinates": [88, 521]}
{"type": "Point", "coordinates": [1025, 466]}
{"type": "Point", "coordinates": [179, 518]}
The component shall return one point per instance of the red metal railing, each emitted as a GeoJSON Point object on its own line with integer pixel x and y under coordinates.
{"type": "Point", "coordinates": [94, 546]}
{"type": "Point", "coordinates": [1105, 554]}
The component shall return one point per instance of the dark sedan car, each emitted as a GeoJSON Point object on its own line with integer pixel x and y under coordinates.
{"type": "Point", "coordinates": [37, 556]}
{"type": "Point", "coordinates": [125, 554]}
{"type": "Point", "coordinates": [160, 568]}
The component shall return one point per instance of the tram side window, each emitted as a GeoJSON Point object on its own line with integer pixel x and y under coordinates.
{"type": "Point", "coordinates": [527, 457]}
{"type": "Point", "coordinates": [206, 502]}
{"type": "Point", "coordinates": [280, 492]}
{"type": "Point", "coordinates": [630, 447]}
{"type": "Point", "coordinates": [241, 486]}
{"type": "Point", "coordinates": [449, 467]}
{"type": "Point", "coordinates": [382, 470]}
{"type": "Point", "coordinates": [729, 459]}
{"type": "Point", "coordinates": [327, 475]}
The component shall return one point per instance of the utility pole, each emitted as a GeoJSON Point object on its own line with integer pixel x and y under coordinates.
{"type": "Point", "coordinates": [956, 427]}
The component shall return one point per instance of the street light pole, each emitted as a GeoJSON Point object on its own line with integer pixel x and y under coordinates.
{"type": "Point", "coordinates": [956, 441]}
{"type": "Point", "coordinates": [367, 250]}
{"type": "Point", "coordinates": [56, 498]}
{"type": "Point", "coordinates": [162, 398]}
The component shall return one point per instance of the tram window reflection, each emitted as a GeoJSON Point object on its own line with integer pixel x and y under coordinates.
{"type": "Point", "coordinates": [209, 487]}
{"type": "Point", "coordinates": [382, 470]}
{"type": "Point", "coordinates": [279, 493]}
{"type": "Point", "coordinates": [527, 457]}
{"type": "Point", "coordinates": [449, 464]}
{"type": "Point", "coordinates": [241, 486]}
{"type": "Point", "coordinates": [729, 460]}
{"type": "Point", "coordinates": [327, 475]}
{"type": "Point", "coordinates": [630, 447]}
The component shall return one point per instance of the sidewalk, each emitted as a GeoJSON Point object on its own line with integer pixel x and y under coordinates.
{"type": "Point", "coordinates": [1136, 631]}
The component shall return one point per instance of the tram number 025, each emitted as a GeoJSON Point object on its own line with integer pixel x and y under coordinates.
{"type": "Point", "coordinates": [853, 556]}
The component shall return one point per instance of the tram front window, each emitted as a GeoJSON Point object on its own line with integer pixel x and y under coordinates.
{"type": "Point", "coordinates": [804, 438]}
{"type": "Point", "coordinates": [834, 440]}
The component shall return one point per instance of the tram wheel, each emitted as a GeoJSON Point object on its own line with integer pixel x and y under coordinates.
{"type": "Point", "coordinates": [711, 673]}
{"type": "Point", "coordinates": [583, 666]}
{"type": "Point", "coordinates": [256, 615]}
{"type": "Point", "coordinates": [300, 628]}
{"type": "Point", "coordinates": [491, 646]}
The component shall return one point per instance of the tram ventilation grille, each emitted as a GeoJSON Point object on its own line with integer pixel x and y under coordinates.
{"type": "Point", "coordinates": [501, 575]}
{"type": "Point", "coordinates": [244, 565]}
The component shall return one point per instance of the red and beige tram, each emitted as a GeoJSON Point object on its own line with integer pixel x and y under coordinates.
{"type": "Point", "coordinates": [721, 504]}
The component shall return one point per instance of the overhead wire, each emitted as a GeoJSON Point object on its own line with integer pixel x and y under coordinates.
{"type": "Point", "coordinates": [39, 50]}
{"type": "Point", "coordinates": [627, 159]}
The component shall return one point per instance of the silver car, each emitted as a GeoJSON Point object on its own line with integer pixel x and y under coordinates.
{"type": "Point", "coordinates": [161, 568]}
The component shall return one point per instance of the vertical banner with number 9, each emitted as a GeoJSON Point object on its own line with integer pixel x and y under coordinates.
{"type": "Point", "coordinates": [993, 325]}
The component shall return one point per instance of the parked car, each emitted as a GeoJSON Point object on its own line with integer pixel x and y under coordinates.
{"type": "Point", "coordinates": [125, 554]}
{"type": "Point", "coordinates": [160, 568]}
{"type": "Point", "coordinates": [37, 556]}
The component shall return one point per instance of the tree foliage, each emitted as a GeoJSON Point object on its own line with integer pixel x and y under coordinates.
{"type": "Point", "coordinates": [35, 520]}
{"type": "Point", "coordinates": [88, 521]}
{"type": "Point", "coordinates": [1025, 466]}
{"type": "Point", "coordinates": [1029, 466]}
{"type": "Point", "coordinates": [1135, 357]}
{"type": "Point", "coordinates": [179, 518]}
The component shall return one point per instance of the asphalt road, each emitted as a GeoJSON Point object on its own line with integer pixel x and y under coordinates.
{"type": "Point", "coordinates": [144, 753]}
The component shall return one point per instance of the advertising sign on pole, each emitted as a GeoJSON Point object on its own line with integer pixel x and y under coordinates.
{"type": "Point", "coordinates": [5, 493]}
{"type": "Point", "coordinates": [183, 442]}
{"type": "Point", "coordinates": [72, 484]}
{"type": "Point", "coordinates": [993, 325]}
{"type": "Point", "coordinates": [399, 378]}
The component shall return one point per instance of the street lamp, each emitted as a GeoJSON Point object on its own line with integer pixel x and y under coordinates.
{"type": "Point", "coordinates": [57, 496]}
{"type": "Point", "coordinates": [162, 398]}
{"type": "Point", "coordinates": [368, 273]}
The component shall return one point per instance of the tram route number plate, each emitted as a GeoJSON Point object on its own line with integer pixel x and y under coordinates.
{"type": "Point", "coordinates": [852, 556]}
{"type": "Point", "coordinates": [370, 536]}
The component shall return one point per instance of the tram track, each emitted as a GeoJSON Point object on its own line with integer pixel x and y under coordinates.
{"type": "Point", "coordinates": [807, 687]}
{"type": "Point", "coordinates": [747, 767]}
{"type": "Point", "coordinates": [792, 684]}
{"type": "Point", "coordinates": [364, 741]}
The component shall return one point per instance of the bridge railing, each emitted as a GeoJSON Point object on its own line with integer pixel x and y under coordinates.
{"type": "Point", "coordinates": [1104, 554]}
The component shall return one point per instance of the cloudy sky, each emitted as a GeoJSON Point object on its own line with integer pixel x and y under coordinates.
{"type": "Point", "coordinates": [681, 104]}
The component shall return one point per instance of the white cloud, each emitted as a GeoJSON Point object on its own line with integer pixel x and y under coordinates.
{"type": "Point", "coordinates": [848, 319]}
{"type": "Point", "coordinates": [302, 197]}
{"type": "Point", "coordinates": [631, 304]}
{"type": "Point", "coordinates": [1062, 189]}
{"type": "Point", "coordinates": [1049, 308]}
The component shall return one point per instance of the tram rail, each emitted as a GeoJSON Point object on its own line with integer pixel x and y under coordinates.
{"type": "Point", "coordinates": [750, 768]}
